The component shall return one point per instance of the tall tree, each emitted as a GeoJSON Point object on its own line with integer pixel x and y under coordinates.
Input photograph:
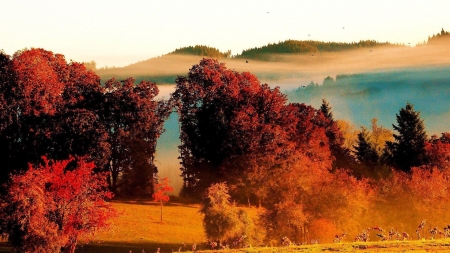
{"type": "Point", "coordinates": [50, 109]}
{"type": "Point", "coordinates": [408, 148]}
{"type": "Point", "coordinates": [134, 120]}
{"type": "Point", "coordinates": [225, 116]}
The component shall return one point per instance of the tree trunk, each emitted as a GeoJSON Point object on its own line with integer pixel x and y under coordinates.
{"type": "Point", "coordinates": [161, 211]}
{"type": "Point", "coordinates": [71, 247]}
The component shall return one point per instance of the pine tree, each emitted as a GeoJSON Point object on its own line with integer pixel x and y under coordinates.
{"type": "Point", "coordinates": [365, 150]}
{"type": "Point", "coordinates": [408, 148]}
{"type": "Point", "coordinates": [325, 108]}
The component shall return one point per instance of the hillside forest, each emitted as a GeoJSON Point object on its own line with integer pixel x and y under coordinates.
{"type": "Point", "coordinates": [71, 141]}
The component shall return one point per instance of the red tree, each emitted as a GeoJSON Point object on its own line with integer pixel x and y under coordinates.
{"type": "Point", "coordinates": [49, 206]}
{"type": "Point", "coordinates": [161, 190]}
{"type": "Point", "coordinates": [48, 107]}
{"type": "Point", "coordinates": [226, 117]}
{"type": "Point", "coordinates": [134, 120]}
{"type": "Point", "coordinates": [438, 152]}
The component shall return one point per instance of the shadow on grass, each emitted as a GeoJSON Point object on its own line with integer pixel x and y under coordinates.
{"type": "Point", "coordinates": [4, 247]}
{"type": "Point", "coordinates": [112, 247]}
{"type": "Point", "coordinates": [120, 247]}
{"type": "Point", "coordinates": [147, 202]}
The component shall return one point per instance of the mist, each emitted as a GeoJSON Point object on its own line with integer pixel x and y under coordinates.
{"type": "Point", "coordinates": [366, 84]}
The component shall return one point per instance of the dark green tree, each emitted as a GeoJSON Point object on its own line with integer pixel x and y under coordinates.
{"type": "Point", "coordinates": [408, 148]}
{"type": "Point", "coordinates": [365, 150]}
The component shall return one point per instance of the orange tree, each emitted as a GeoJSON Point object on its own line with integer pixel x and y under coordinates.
{"type": "Point", "coordinates": [49, 206]}
{"type": "Point", "coordinates": [161, 190]}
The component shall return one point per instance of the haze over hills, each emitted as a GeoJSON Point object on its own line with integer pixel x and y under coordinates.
{"type": "Point", "coordinates": [291, 64]}
{"type": "Point", "coordinates": [364, 82]}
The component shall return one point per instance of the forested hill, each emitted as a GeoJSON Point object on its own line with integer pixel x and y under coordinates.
{"type": "Point", "coordinates": [202, 51]}
{"type": "Point", "coordinates": [309, 46]}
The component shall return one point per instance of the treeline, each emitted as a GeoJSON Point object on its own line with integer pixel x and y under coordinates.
{"type": "Point", "coordinates": [201, 50]}
{"type": "Point", "coordinates": [310, 46]}
{"type": "Point", "coordinates": [285, 47]}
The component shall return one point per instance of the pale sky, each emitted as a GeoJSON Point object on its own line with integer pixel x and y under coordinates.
{"type": "Point", "coordinates": [118, 33]}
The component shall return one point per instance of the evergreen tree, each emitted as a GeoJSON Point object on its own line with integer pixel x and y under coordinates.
{"type": "Point", "coordinates": [325, 108]}
{"type": "Point", "coordinates": [365, 150]}
{"type": "Point", "coordinates": [408, 148]}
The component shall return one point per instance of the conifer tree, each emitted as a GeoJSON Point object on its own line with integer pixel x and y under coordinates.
{"type": "Point", "coordinates": [365, 150]}
{"type": "Point", "coordinates": [408, 148]}
{"type": "Point", "coordinates": [325, 108]}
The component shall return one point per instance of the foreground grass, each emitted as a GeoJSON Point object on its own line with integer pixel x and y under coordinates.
{"type": "Point", "coordinates": [139, 228]}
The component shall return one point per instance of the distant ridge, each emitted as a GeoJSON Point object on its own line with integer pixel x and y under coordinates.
{"type": "Point", "coordinates": [309, 46]}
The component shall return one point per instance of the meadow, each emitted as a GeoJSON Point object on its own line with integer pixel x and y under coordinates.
{"type": "Point", "coordinates": [138, 228]}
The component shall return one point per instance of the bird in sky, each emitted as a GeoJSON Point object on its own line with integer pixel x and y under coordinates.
{"type": "Point", "coordinates": [246, 61]}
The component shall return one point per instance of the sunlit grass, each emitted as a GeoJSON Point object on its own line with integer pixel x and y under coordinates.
{"type": "Point", "coordinates": [139, 228]}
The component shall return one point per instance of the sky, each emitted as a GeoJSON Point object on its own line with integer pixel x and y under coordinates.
{"type": "Point", "coordinates": [118, 33]}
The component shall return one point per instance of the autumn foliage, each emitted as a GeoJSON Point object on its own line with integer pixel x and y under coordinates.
{"type": "Point", "coordinates": [289, 158]}
{"type": "Point", "coordinates": [49, 206]}
{"type": "Point", "coordinates": [56, 109]}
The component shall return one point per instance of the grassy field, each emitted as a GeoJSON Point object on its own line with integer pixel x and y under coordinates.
{"type": "Point", "coordinates": [139, 228]}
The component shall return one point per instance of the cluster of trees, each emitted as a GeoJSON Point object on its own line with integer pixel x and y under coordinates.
{"type": "Point", "coordinates": [290, 158]}
{"type": "Point", "coordinates": [441, 37]}
{"type": "Point", "coordinates": [202, 51]}
{"type": "Point", "coordinates": [310, 46]}
{"type": "Point", "coordinates": [68, 143]}
{"type": "Point", "coordinates": [270, 153]}
{"type": "Point", "coordinates": [57, 109]}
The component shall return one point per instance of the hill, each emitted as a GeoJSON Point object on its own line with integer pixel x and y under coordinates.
{"type": "Point", "coordinates": [202, 51]}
